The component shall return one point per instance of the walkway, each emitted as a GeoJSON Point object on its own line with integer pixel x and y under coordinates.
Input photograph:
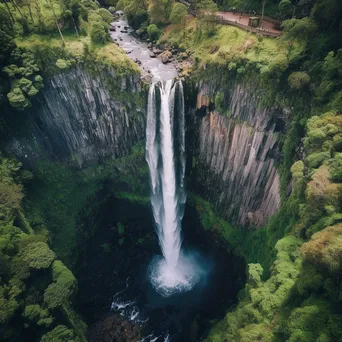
{"type": "Point", "coordinates": [236, 18]}
{"type": "Point", "coordinates": [270, 26]}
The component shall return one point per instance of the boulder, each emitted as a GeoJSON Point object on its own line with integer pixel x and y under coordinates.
{"type": "Point", "coordinates": [165, 57]}
{"type": "Point", "coordinates": [147, 78]}
{"type": "Point", "coordinates": [157, 51]}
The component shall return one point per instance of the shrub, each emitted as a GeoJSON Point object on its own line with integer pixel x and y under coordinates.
{"type": "Point", "coordinates": [153, 32]}
{"type": "Point", "coordinates": [105, 15]}
{"type": "Point", "coordinates": [325, 248]}
{"type": "Point", "coordinates": [178, 13]}
{"type": "Point", "coordinates": [38, 255]}
{"type": "Point", "coordinates": [59, 292]}
{"type": "Point", "coordinates": [159, 11]}
{"type": "Point", "coordinates": [298, 80]}
{"type": "Point", "coordinates": [59, 334]}
{"type": "Point", "coordinates": [136, 18]}
{"type": "Point", "coordinates": [99, 33]}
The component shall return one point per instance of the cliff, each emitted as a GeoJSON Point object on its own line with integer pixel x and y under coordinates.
{"type": "Point", "coordinates": [82, 114]}
{"type": "Point", "coordinates": [235, 149]}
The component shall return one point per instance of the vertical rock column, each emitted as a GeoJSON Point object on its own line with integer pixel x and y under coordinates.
{"type": "Point", "coordinates": [236, 157]}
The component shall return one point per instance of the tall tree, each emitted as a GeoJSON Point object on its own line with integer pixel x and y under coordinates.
{"type": "Point", "coordinates": [56, 20]}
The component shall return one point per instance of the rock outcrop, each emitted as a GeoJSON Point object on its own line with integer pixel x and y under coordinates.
{"type": "Point", "coordinates": [85, 116]}
{"type": "Point", "coordinates": [235, 154]}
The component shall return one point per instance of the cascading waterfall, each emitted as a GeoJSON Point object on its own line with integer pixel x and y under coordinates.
{"type": "Point", "coordinates": [165, 155]}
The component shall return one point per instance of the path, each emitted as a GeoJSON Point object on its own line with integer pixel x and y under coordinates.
{"type": "Point", "coordinates": [243, 20]}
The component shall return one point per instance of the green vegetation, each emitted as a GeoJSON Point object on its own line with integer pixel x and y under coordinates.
{"type": "Point", "coordinates": [153, 32]}
{"type": "Point", "coordinates": [58, 195]}
{"type": "Point", "coordinates": [32, 281]}
{"type": "Point", "coordinates": [301, 299]}
{"type": "Point", "coordinates": [39, 37]}
{"type": "Point", "coordinates": [178, 13]}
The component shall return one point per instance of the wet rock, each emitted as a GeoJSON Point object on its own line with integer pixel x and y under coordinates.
{"type": "Point", "coordinates": [152, 55]}
{"type": "Point", "coordinates": [150, 45]}
{"type": "Point", "coordinates": [147, 78]}
{"type": "Point", "coordinates": [156, 51]}
{"type": "Point", "coordinates": [113, 327]}
{"type": "Point", "coordinates": [165, 57]}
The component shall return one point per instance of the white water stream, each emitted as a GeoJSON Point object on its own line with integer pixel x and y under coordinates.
{"type": "Point", "coordinates": [165, 155]}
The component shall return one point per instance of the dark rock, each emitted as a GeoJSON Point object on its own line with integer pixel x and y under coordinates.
{"type": "Point", "coordinates": [90, 127]}
{"type": "Point", "coordinates": [113, 327]}
{"type": "Point", "coordinates": [156, 51]}
{"type": "Point", "coordinates": [147, 78]}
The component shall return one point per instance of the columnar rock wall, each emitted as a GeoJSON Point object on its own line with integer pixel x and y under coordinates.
{"type": "Point", "coordinates": [236, 154]}
{"type": "Point", "coordinates": [81, 116]}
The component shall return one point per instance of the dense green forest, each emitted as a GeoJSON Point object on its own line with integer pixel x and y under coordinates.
{"type": "Point", "coordinates": [294, 290]}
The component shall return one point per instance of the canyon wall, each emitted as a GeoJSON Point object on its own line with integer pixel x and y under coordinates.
{"type": "Point", "coordinates": [82, 115]}
{"type": "Point", "coordinates": [235, 149]}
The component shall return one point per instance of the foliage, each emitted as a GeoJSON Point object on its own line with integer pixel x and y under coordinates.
{"type": "Point", "coordinates": [28, 267]}
{"type": "Point", "coordinates": [205, 6]}
{"type": "Point", "coordinates": [11, 193]}
{"type": "Point", "coordinates": [298, 80]}
{"type": "Point", "coordinates": [178, 13]}
{"type": "Point", "coordinates": [299, 300]}
{"type": "Point", "coordinates": [137, 11]}
{"type": "Point", "coordinates": [298, 30]}
{"type": "Point", "coordinates": [37, 255]}
{"type": "Point", "coordinates": [159, 11]}
{"type": "Point", "coordinates": [99, 33]}
{"type": "Point", "coordinates": [35, 313]}
{"type": "Point", "coordinates": [285, 7]}
{"type": "Point", "coordinates": [153, 32]}
{"type": "Point", "coordinates": [24, 77]}
{"type": "Point", "coordinates": [325, 249]}
{"type": "Point", "coordinates": [58, 293]}
{"type": "Point", "coordinates": [59, 334]}
{"type": "Point", "coordinates": [331, 84]}
{"type": "Point", "coordinates": [105, 15]}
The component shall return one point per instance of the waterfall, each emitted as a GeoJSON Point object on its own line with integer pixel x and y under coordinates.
{"type": "Point", "coordinates": [165, 155]}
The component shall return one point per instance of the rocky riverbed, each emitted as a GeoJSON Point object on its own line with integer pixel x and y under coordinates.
{"type": "Point", "coordinates": [157, 61]}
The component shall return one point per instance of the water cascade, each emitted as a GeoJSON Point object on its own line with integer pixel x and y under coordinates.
{"type": "Point", "coordinates": [165, 154]}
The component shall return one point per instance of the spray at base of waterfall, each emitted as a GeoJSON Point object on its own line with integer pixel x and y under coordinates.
{"type": "Point", "coordinates": [167, 280]}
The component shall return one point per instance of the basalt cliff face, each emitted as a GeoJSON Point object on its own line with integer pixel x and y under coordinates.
{"type": "Point", "coordinates": [82, 115]}
{"type": "Point", "coordinates": [88, 116]}
{"type": "Point", "coordinates": [235, 150]}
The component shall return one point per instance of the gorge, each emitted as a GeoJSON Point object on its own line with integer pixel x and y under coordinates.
{"type": "Point", "coordinates": [187, 188]}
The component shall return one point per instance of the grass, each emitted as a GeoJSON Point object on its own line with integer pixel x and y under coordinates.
{"type": "Point", "coordinates": [107, 54]}
{"type": "Point", "coordinates": [227, 44]}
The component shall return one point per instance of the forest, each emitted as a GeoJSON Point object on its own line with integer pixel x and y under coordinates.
{"type": "Point", "coordinates": [293, 289]}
